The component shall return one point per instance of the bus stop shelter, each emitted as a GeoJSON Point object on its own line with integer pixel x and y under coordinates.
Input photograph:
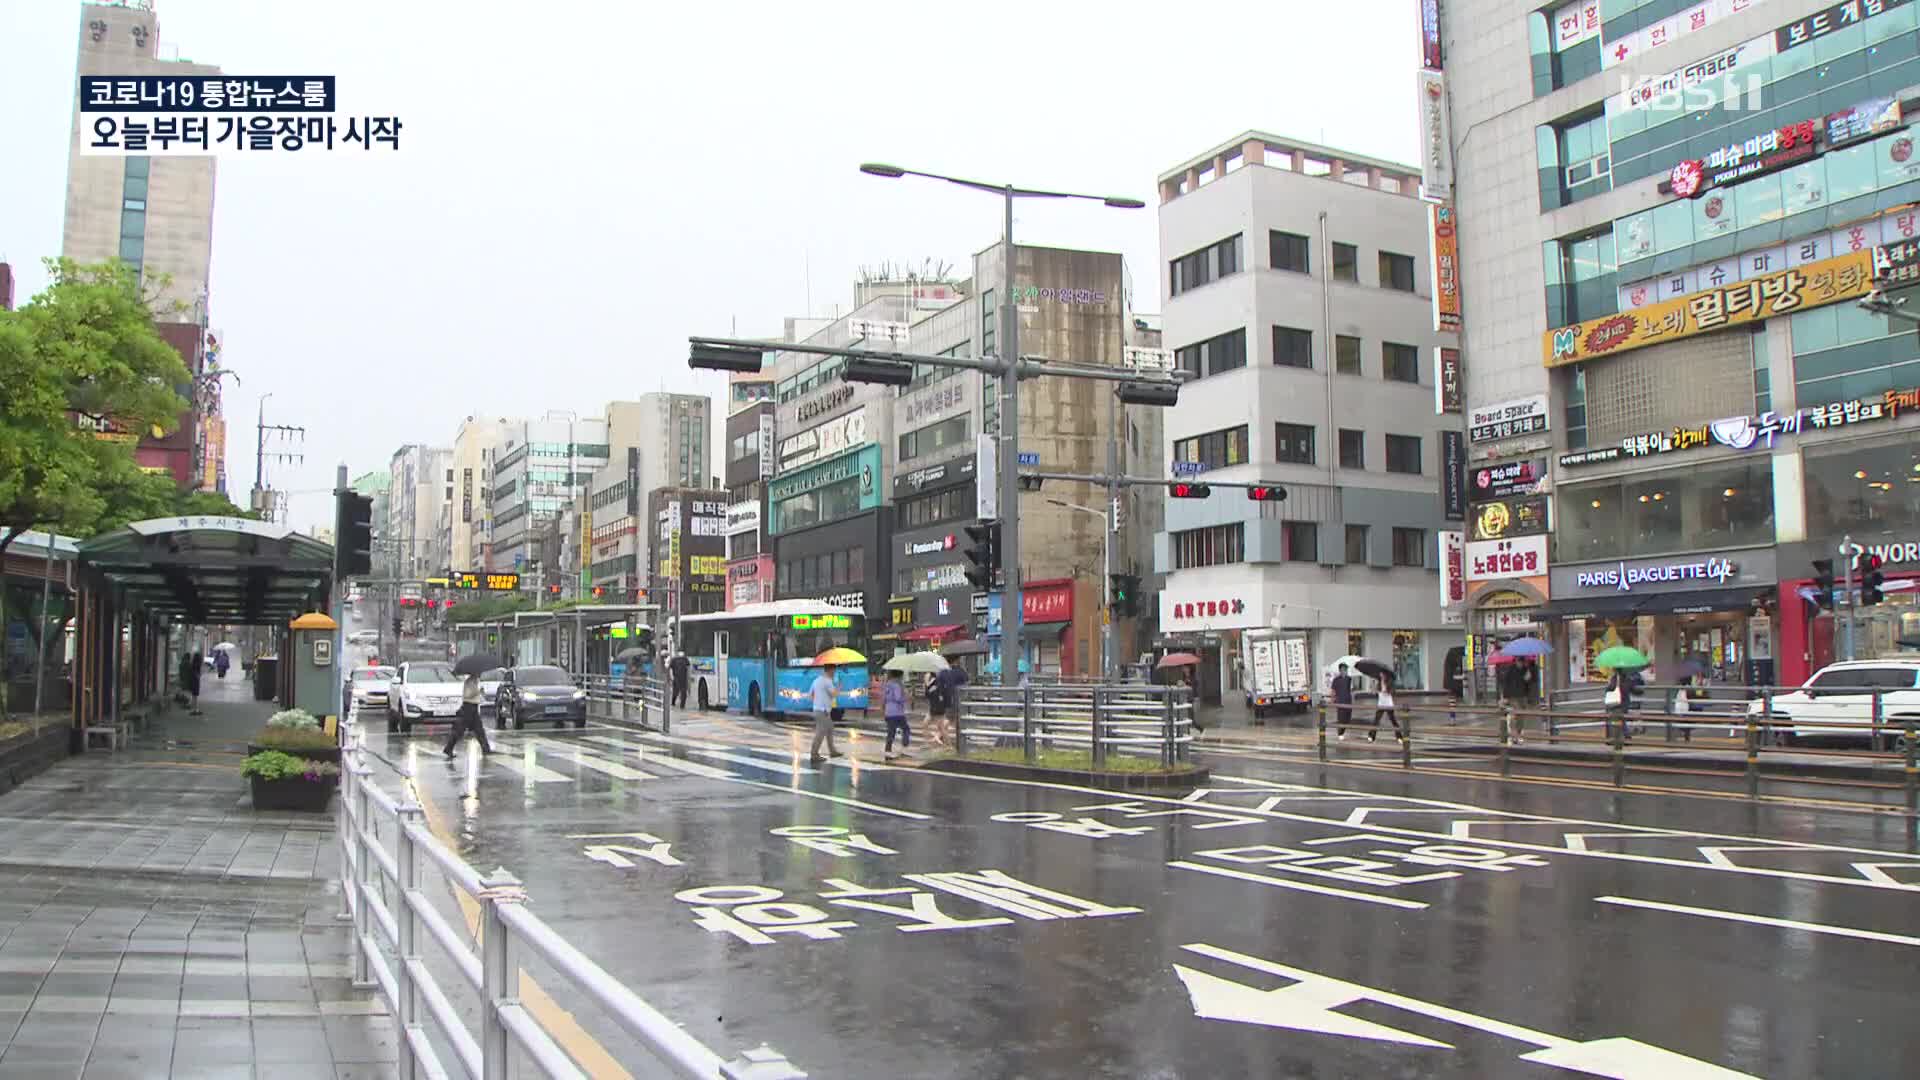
{"type": "Point", "coordinates": [583, 639]}
{"type": "Point", "coordinates": [137, 583]}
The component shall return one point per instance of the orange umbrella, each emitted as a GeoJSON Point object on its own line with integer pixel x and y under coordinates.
{"type": "Point", "coordinates": [838, 655]}
{"type": "Point", "coordinates": [1177, 659]}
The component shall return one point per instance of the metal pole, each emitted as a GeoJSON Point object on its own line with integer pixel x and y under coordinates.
{"type": "Point", "coordinates": [1846, 568]}
{"type": "Point", "coordinates": [1113, 528]}
{"type": "Point", "coordinates": [335, 686]}
{"type": "Point", "coordinates": [46, 591]}
{"type": "Point", "coordinates": [1011, 644]}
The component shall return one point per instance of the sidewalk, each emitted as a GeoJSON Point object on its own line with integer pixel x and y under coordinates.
{"type": "Point", "coordinates": [152, 924]}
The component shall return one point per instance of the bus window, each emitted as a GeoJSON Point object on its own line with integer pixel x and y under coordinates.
{"type": "Point", "coordinates": [814, 641]}
{"type": "Point", "coordinates": [696, 639]}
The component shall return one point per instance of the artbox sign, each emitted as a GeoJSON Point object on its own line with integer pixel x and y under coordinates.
{"type": "Point", "coordinates": [1751, 432]}
{"type": "Point", "coordinates": [1508, 419]}
{"type": "Point", "coordinates": [1228, 607]}
{"type": "Point", "coordinates": [1497, 560]}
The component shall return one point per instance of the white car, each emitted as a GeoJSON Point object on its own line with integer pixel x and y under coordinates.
{"type": "Point", "coordinates": [1837, 703]}
{"type": "Point", "coordinates": [364, 637]}
{"type": "Point", "coordinates": [368, 687]}
{"type": "Point", "coordinates": [426, 692]}
{"type": "Point", "coordinates": [490, 681]}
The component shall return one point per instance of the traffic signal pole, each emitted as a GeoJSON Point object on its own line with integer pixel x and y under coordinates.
{"type": "Point", "coordinates": [1847, 558]}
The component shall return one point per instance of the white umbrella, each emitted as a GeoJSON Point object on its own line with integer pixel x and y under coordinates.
{"type": "Point", "coordinates": [1333, 668]}
{"type": "Point", "coordinates": [225, 646]}
{"type": "Point", "coordinates": [922, 662]}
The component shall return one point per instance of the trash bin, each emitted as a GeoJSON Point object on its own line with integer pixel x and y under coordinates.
{"type": "Point", "coordinates": [266, 678]}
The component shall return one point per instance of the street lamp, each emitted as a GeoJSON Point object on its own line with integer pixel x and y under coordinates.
{"type": "Point", "coordinates": [1011, 648]}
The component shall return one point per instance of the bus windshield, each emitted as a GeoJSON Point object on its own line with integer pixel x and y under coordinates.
{"type": "Point", "coordinates": [810, 635]}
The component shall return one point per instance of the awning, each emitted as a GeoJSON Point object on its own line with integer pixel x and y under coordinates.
{"type": "Point", "coordinates": [212, 569]}
{"type": "Point", "coordinates": [884, 637]}
{"type": "Point", "coordinates": [1043, 629]}
{"type": "Point", "coordinates": [1655, 603]}
{"type": "Point", "coordinates": [935, 633]}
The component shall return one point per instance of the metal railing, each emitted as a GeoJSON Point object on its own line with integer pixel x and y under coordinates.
{"type": "Point", "coordinates": [1114, 718]}
{"type": "Point", "coordinates": [645, 701]}
{"type": "Point", "coordinates": [388, 904]}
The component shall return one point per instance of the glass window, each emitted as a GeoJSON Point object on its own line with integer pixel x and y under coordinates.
{"type": "Point", "coordinates": [1301, 540]}
{"type": "Point", "coordinates": [1863, 489]}
{"type": "Point", "coordinates": [1403, 454]}
{"type": "Point", "coordinates": [1396, 271]}
{"type": "Point", "coordinates": [1357, 544]}
{"type": "Point", "coordinates": [1292, 347]}
{"type": "Point", "coordinates": [1211, 546]}
{"type": "Point", "coordinates": [1758, 201]}
{"type": "Point", "coordinates": [1209, 264]}
{"type": "Point", "coordinates": [1293, 443]}
{"type": "Point", "coordinates": [1409, 669]}
{"type": "Point", "coordinates": [1726, 505]}
{"type": "Point", "coordinates": [1353, 449]}
{"type": "Point", "coordinates": [1214, 355]}
{"type": "Point", "coordinates": [1346, 354]}
{"type": "Point", "coordinates": [1400, 363]}
{"type": "Point", "coordinates": [1214, 450]}
{"type": "Point", "coordinates": [1288, 251]}
{"type": "Point", "coordinates": [1346, 262]}
{"type": "Point", "coordinates": [1409, 546]}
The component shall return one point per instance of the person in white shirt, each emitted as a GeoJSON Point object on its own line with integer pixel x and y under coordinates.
{"type": "Point", "coordinates": [826, 695]}
{"type": "Point", "coordinates": [469, 718]}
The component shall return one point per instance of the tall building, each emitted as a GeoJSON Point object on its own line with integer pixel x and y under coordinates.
{"type": "Point", "coordinates": [378, 486]}
{"type": "Point", "coordinates": [1296, 297]}
{"type": "Point", "coordinates": [674, 436]}
{"type": "Point", "coordinates": [1666, 220]}
{"type": "Point", "coordinates": [420, 483]}
{"type": "Point", "coordinates": [686, 529]}
{"type": "Point", "coordinates": [474, 446]}
{"type": "Point", "coordinates": [746, 468]}
{"type": "Point", "coordinates": [154, 213]}
{"type": "Point", "coordinates": [619, 563]}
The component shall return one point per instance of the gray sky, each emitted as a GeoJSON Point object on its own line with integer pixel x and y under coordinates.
{"type": "Point", "coordinates": [580, 187]}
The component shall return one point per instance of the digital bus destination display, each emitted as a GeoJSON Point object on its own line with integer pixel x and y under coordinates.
{"type": "Point", "coordinates": [822, 622]}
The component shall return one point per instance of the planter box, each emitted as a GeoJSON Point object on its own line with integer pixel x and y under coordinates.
{"type": "Point", "coordinates": [331, 754]}
{"type": "Point", "coordinates": [27, 755]}
{"type": "Point", "coordinates": [301, 795]}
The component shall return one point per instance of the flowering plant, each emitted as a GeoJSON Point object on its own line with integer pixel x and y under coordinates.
{"type": "Point", "coordinates": [274, 765]}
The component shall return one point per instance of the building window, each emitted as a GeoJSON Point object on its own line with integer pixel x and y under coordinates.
{"type": "Point", "coordinates": [1409, 670]}
{"type": "Point", "coordinates": [1581, 276]}
{"type": "Point", "coordinates": [1409, 547]}
{"type": "Point", "coordinates": [1396, 271]}
{"type": "Point", "coordinates": [1353, 449]}
{"type": "Point", "coordinates": [1214, 355]}
{"type": "Point", "coordinates": [1575, 160]}
{"type": "Point", "coordinates": [1288, 251]}
{"type": "Point", "coordinates": [1214, 450]}
{"type": "Point", "coordinates": [1357, 544]}
{"type": "Point", "coordinates": [1292, 347]}
{"type": "Point", "coordinates": [935, 508]}
{"type": "Point", "coordinates": [133, 211]}
{"type": "Point", "coordinates": [1399, 363]}
{"type": "Point", "coordinates": [1346, 354]}
{"type": "Point", "coordinates": [1403, 454]}
{"type": "Point", "coordinates": [1346, 262]}
{"type": "Point", "coordinates": [1356, 643]}
{"type": "Point", "coordinates": [1293, 443]}
{"type": "Point", "coordinates": [1211, 546]}
{"type": "Point", "coordinates": [1209, 264]}
{"type": "Point", "coordinates": [1302, 540]}
{"type": "Point", "coordinates": [1712, 506]}
{"type": "Point", "coordinates": [939, 436]}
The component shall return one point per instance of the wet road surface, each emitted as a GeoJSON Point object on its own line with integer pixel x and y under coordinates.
{"type": "Point", "coordinates": [1287, 920]}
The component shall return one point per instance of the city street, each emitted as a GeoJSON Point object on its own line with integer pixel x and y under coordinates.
{"type": "Point", "coordinates": [1288, 919]}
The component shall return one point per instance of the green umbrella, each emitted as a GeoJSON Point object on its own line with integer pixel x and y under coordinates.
{"type": "Point", "coordinates": [1621, 656]}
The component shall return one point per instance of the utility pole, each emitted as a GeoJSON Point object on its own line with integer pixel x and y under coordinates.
{"type": "Point", "coordinates": [1847, 555]}
{"type": "Point", "coordinates": [1012, 598]}
{"type": "Point", "coordinates": [1114, 416]}
{"type": "Point", "coordinates": [270, 510]}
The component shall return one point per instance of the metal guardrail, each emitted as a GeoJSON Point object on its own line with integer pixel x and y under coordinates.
{"type": "Point", "coordinates": [643, 701]}
{"type": "Point", "coordinates": [385, 900]}
{"type": "Point", "coordinates": [1104, 719]}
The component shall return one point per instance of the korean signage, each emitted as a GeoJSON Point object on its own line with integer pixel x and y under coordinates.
{"type": "Point", "coordinates": [1436, 139]}
{"type": "Point", "coordinates": [836, 436]}
{"type": "Point", "coordinates": [466, 494]}
{"type": "Point", "coordinates": [707, 565]}
{"type": "Point", "coordinates": [1670, 90]}
{"type": "Point", "coordinates": [934, 400]}
{"type": "Point", "coordinates": [1574, 23]}
{"type": "Point", "coordinates": [1862, 121]}
{"type": "Point", "coordinates": [1843, 277]}
{"type": "Point", "coordinates": [1789, 144]}
{"type": "Point", "coordinates": [490, 582]}
{"type": "Point", "coordinates": [1453, 474]}
{"type": "Point", "coordinates": [1504, 519]}
{"type": "Point", "coordinates": [824, 402]}
{"type": "Point", "coordinates": [709, 518]}
{"type": "Point", "coordinates": [766, 444]}
{"type": "Point", "coordinates": [863, 464]}
{"type": "Point", "coordinates": [743, 517]}
{"type": "Point", "coordinates": [1507, 479]}
{"type": "Point", "coordinates": [586, 546]}
{"type": "Point", "coordinates": [1508, 419]}
{"type": "Point", "coordinates": [1044, 603]}
{"type": "Point", "coordinates": [1430, 33]}
{"type": "Point", "coordinates": [1448, 394]}
{"type": "Point", "coordinates": [1836, 17]}
{"type": "Point", "coordinates": [1443, 247]}
{"type": "Point", "coordinates": [1496, 560]}
{"type": "Point", "coordinates": [1665, 31]}
{"type": "Point", "coordinates": [1033, 294]}
{"type": "Point", "coordinates": [633, 481]}
{"type": "Point", "coordinates": [822, 622]}
{"type": "Point", "coordinates": [1453, 568]}
{"type": "Point", "coordinates": [928, 547]}
{"type": "Point", "coordinates": [907, 483]}
{"type": "Point", "coordinates": [1751, 432]}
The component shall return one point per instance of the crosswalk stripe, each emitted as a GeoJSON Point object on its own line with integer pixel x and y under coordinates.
{"type": "Point", "coordinates": [591, 761]}
{"type": "Point", "coordinates": [522, 762]}
{"type": "Point", "coordinates": [661, 760]}
{"type": "Point", "coordinates": [763, 764]}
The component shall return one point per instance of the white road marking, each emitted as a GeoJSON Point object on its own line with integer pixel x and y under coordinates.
{"type": "Point", "coordinates": [718, 753]}
{"type": "Point", "coordinates": [523, 763]}
{"type": "Point", "coordinates": [841, 799]}
{"type": "Point", "coordinates": [1303, 886]}
{"type": "Point", "coordinates": [1877, 870]}
{"type": "Point", "coordinates": [697, 769]}
{"type": "Point", "coordinates": [1762, 920]}
{"type": "Point", "coordinates": [591, 761]}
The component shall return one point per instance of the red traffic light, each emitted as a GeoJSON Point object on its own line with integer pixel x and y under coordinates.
{"type": "Point", "coordinates": [1264, 493]}
{"type": "Point", "coordinates": [1871, 562]}
{"type": "Point", "coordinates": [1185, 490]}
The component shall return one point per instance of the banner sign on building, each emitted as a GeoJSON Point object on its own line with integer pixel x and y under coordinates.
{"type": "Point", "coordinates": [1862, 121]}
{"type": "Point", "coordinates": [1508, 419]}
{"type": "Point", "coordinates": [1443, 249]}
{"type": "Point", "coordinates": [1752, 432]}
{"type": "Point", "coordinates": [1666, 31]}
{"type": "Point", "coordinates": [1453, 568]}
{"type": "Point", "coordinates": [1835, 17]}
{"type": "Point", "coordinates": [1448, 394]}
{"type": "Point", "coordinates": [1504, 519]}
{"type": "Point", "coordinates": [986, 492]}
{"type": "Point", "coordinates": [1574, 23]}
{"type": "Point", "coordinates": [1670, 91]}
{"type": "Point", "coordinates": [1829, 281]}
{"type": "Point", "coordinates": [1507, 479]}
{"type": "Point", "coordinates": [1495, 560]}
{"type": "Point", "coordinates": [836, 436]}
{"type": "Point", "coordinates": [1769, 151]}
{"type": "Point", "coordinates": [633, 481]}
{"type": "Point", "coordinates": [1453, 474]}
{"type": "Point", "coordinates": [466, 494]}
{"type": "Point", "coordinates": [1436, 139]}
{"type": "Point", "coordinates": [766, 446]}
{"type": "Point", "coordinates": [743, 517]}
{"type": "Point", "coordinates": [1430, 33]}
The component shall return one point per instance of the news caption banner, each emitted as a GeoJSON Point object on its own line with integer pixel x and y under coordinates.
{"type": "Point", "coordinates": [207, 115]}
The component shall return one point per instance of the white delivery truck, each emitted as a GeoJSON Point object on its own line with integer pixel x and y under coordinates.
{"type": "Point", "coordinates": [1279, 671]}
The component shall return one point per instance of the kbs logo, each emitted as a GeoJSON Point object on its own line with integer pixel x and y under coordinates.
{"type": "Point", "coordinates": [1687, 178]}
{"type": "Point", "coordinates": [1609, 334]}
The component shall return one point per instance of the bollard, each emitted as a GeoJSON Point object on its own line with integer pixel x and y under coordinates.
{"type": "Point", "coordinates": [361, 872]}
{"type": "Point", "coordinates": [1913, 781]}
{"type": "Point", "coordinates": [406, 948]}
{"type": "Point", "coordinates": [347, 899]}
{"type": "Point", "coordinates": [1321, 724]}
{"type": "Point", "coordinates": [1406, 741]}
{"type": "Point", "coordinates": [1099, 723]}
{"type": "Point", "coordinates": [1027, 749]}
{"type": "Point", "coordinates": [1172, 716]}
{"type": "Point", "coordinates": [1753, 759]}
{"type": "Point", "coordinates": [1878, 743]}
{"type": "Point", "coordinates": [959, 710]}
{"type": "Point", "coordinates": [1619, 734]}
{"type": "Point", "coordinates": [499, 973]}
{"type": "Point", "coordinates": [1506, 727]}
{"type": "Point", "coordinates": [666, 708]}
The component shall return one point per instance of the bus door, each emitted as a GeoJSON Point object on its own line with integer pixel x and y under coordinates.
{"type": "Point", "coordinates": [723, 686]}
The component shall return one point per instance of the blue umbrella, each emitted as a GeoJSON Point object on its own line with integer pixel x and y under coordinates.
{"type": "Point", "coordinates": [1526, 646]}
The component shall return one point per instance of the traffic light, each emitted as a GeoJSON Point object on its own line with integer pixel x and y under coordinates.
{"type": "Point", "coordinates": [1871, 579]}
{"type": "Point", "coordinates": [1823, 583]}
{"type": "Point", "coordinates": [396, 626]}
{"type": "Point", "coordinates": [1031, 483]}
{"type": "Point", "coordinates": [884, 372]}
{"type": "Point", "coordinates": [1267, 493]}
{"type": "Point", "coordinates": [1184, 490]}
{"type": "Point", "coordinates": [1157, 394]}
{"type": "Point", "coordinates": [353, 534]}
{"type": "Point", "coordinates": [1126, 596]}
{"type": "Point", "coordinates": [725, 358]}
{"type": "Point", "coordinates": [983, 551]}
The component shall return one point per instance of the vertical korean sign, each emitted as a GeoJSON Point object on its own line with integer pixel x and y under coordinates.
{"type": "Point", "coordinates": [986, 472]}
{"type": "Point", "coordinates": [1430, 33]}
{"type": "Point", "coordinates": [1453, 568]}
{"type": "Point", "coordinates": [1436, 140]}
{"type": "Point", "coordinates": [633, 482]}
{"type": "Point", "coordinates": [586, 549]}
{"type": "Point", "coordinates": [1453, 474]}
{"type": "Point", "coordinates": [466, 495]}
{"type": "Point", "coordinates": [1443, 249]}
{"type": "Point", "coordinates": [1448, 393]}
{"type": "Point", "coordinates": [766, 446]}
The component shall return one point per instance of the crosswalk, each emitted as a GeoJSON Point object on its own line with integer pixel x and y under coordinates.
{"type": "Point", "coordinates": [627, 756]}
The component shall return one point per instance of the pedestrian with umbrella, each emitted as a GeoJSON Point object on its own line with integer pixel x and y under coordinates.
{"type": "Point", "coordinates": [1342, 702]}
{"type": "Point", "coordinates": [1183, 669]}
{"type": "Point", "coordinates": [472, 666]}
{"type": "Point", "coordinates": [1383, 702]}
{"type": "Point", "coordinates": [1624, 663]}
{"type": "Point", "coordinates": [894, 693]}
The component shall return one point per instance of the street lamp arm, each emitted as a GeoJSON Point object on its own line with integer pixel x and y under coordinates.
{"type": "Point", "coordinates": [894, 172]}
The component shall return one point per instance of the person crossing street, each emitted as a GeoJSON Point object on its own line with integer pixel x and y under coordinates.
{"type": "Point", "coordinates": [469, 717]}
{"type": "Point", "coordinates": [826, 697]}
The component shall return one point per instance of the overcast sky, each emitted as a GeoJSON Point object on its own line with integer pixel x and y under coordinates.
{"type": "Point", "coordinates": [580, 187]}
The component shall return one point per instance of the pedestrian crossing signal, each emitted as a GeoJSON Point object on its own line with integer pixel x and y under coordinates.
{"type": "Point", "coordinates": [1266, 493]}
{"type": "Point", "coordinates": [1185, 490]}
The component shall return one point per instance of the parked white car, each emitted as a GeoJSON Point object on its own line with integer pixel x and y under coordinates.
{"type": "Point", "coordinates": [368, 687]}
{"type": "Point", "coordinates": [427, 692]}
{"type": "Point", "coordinates": [1837, 703]}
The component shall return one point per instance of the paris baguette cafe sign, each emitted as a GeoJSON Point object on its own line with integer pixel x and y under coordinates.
{"type": "Point", "coordinates": [1816, 284]}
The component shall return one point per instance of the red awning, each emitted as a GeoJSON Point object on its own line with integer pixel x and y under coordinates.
{"type": "Point", "coordinates": [935, 633]}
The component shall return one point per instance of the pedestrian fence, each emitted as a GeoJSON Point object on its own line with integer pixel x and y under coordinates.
{"type": "Point", "coordinates": [645, 701]}
{"type": "Point", "coordinates": [1136, 719]}
{"type": "Point", "coordinates": [386, 900]}
{"type": "Point", "coordinates": [1858, 738]}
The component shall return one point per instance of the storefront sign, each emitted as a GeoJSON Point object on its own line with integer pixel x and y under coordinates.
{"type": "Point", "coordinates": [1751, 432]}
{"type": "Point", "coordinates": [1507, 479]}
{"type": "Point", "coordinates": [1497, 560]}
{"type": "Point", "coordinates": [1574, 23]}
{"type": "Point", "coordinates": [1436, 160]}
{"type": "Point", "coordinates": [1624, 577]}
{"type": "Point", "coordinates": [1453, 568]}
{"type": "Point", "coordinates": [1896, 266]}
{"type": "Point", "coordinates": [824, 402]}
{"type": "Point", "coordinates": [1505, 519]}
{"type": "Point", "coordinates": [1862, 121]}
{"type": "Point", "coordinates": [1667, 30]}
{"type": "Point", "coordinates": [1033, 294]}
{"type": "Point", "coordinates": [836, 436]}
{"type": "Point", "coordinates": [1783, 292]}
{"type": "Point", "coordinates": [1047, 602]}
{"type": "Point", "coordinates": [862, 463]}
{"type": "Point", "coordinates": [932, 476]}
{"type": "Point", "coordinates": [1669, 91]}
{"type": "Point", "coordinates": [1789, 144]}
{"type": "Point", "coordinates": [1448, 393]}
{"type": "Point", "coordinates": [1508, 622]}
{"type": "Point", "coordinates": [1838, 17]}
{"type": "Point", "coordinates": [707, 565]}
{"type": "Point", "coordinates": [1453, 474]}
{"type": "Point", "coordinates": [1198, 609]}
{"type": "Point", "coordinates": [928, 547]}
{"type": "Point", "coordinates": [946, 394]}
{"type": "Point", "coordinates": [1430, 33]}
{"type": "Point", "coordinates": [766, 446]}
{"type": "Point", "coordinates": [822, 622]}
{"type": "Point", "coordinates": [1443, 247]}
{"type": "Point", "coordinates": [743, 517]}
{"type": "Point", "coordinates": [1508, 419]}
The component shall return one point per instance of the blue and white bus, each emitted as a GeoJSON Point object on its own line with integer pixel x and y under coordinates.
{"type": "Point", "coordinates": [758, 658]}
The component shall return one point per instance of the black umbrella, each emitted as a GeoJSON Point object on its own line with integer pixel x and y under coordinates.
{"type": "Point", "coordinates": [631, 654]}
{"type": "Point", "coordinates": [969, 647]}
{"type": "Point", "coordinates": [1374, 668]}
{"type": "Point", "coordinates": [474, 664]}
